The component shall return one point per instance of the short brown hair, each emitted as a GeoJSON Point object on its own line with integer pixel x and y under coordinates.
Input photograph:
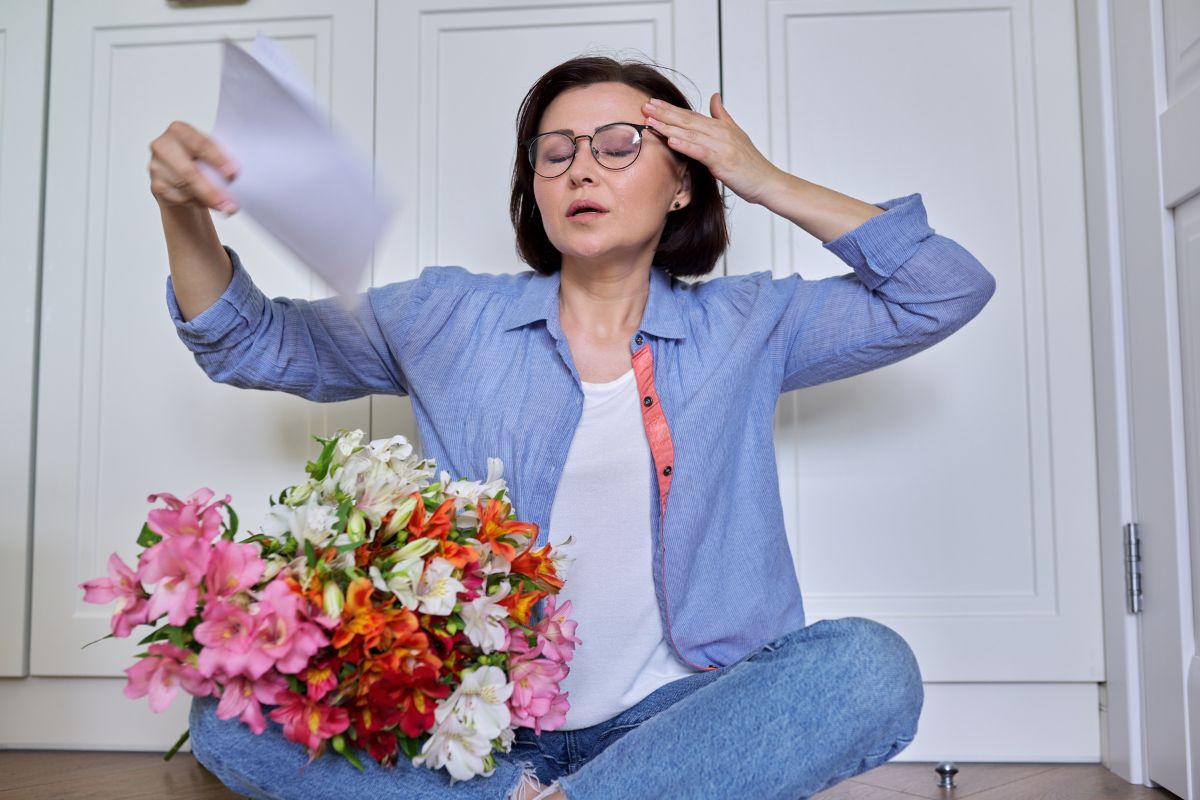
{"type": "Point", "coordinates": [694, 237]}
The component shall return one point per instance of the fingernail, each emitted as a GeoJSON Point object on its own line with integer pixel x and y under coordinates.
{"type": "Point", "coordinates": [228, 207]}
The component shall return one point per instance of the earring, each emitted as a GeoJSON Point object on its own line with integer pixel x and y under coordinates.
{"type": "Point", "coordinates": [677, 204]}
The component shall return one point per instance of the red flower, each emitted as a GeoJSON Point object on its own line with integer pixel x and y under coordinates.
{"type": "Point", "coordinates": [308, 722]}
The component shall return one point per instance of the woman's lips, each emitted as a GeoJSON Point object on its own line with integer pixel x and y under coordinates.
{"type": "Point", "coordinates": [583, 216]}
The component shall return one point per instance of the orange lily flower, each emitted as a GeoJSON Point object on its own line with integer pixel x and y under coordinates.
{"type": "Point", "coordinates": [438, 524]}
{"type": "Point", "coordinates": [535, 564]}
{"type": "Point", "coordinates": [520, 604]}
{"type": "Point", "coordinates": [493, 524]}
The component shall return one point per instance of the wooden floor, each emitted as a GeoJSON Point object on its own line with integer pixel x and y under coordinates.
{"type": "Point", "coordinates": [61, 775]}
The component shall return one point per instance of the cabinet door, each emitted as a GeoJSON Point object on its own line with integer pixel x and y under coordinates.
{"type": "Point", "coordinates": [952, 495]}
{"type": "Point", "coordinates": [22, 88]}
{"type": "Point", "coordinates": [123, 408]}
{"type": "Point", "coordinates": [450, 81]}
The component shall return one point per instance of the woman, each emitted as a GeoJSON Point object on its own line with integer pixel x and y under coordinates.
{"type": "Point", "coordinates": [633, 411]}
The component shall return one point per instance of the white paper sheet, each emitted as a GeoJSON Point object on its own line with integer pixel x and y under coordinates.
{"type": "Point", "coordinates": [297, 178]}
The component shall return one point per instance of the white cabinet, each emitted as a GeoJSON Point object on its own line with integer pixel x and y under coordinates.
{"type": "Point", "coordinates": [22, 89]}
{"type": "Point", "coordinates": [953, 495]}
{"type": "Point", "coordinates": [123, 409]}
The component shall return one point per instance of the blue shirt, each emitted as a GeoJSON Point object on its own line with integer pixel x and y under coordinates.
{"type": "Point", "coordinates": [489, 372]}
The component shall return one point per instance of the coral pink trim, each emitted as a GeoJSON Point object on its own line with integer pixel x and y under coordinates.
{"type": "Point", "coordinates": [658, 433]}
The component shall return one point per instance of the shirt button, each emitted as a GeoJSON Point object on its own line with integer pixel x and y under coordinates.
{"type": "Point", "coordinates": [638, 339]}
{"type": "Point", "coordinates": [667, 470]}
{"type": "Point", "coordinates": [646, 401]}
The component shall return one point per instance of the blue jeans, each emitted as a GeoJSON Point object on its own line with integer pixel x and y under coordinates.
{"type": "Point", "coordinates": [799, 714]}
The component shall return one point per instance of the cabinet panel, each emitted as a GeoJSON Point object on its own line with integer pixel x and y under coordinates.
{"type": "Point", "coordinates": [952, 495]}
{"type": "Point", "coordinates": [22, 91]}
{"type": "Point", "coordinates": [123, 408]}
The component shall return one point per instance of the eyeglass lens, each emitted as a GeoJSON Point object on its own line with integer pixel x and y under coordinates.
{"type": "Point", "coordinates": [615, 147]}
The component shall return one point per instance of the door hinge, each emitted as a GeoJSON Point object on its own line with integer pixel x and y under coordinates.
{"type": "Point", "coordinates": [1133, 569]}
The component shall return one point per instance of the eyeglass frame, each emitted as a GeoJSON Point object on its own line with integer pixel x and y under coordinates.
{"type": "Point", "coordinates": [575, 146]}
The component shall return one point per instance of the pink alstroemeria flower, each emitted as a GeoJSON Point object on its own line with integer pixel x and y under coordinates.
{"type": "Point", "coordinates": [307, 722]}
{"type": "Point", "coordinates": [535, 691]}
{"type": "Point", "coordinates": [242, 698]}
{"type": "Point", "coordinates": [123, 586]}
{"type": "Point", "coordinates": [232, 568]}
{"type": "Point", "coordinates": [228, 633]}
{"type": "Point", "coordinates": [556, 633]}
{"type": "Point", "coordinates": [283, 631]}
{"type": "Point", "coordinates": [176, 564]}
{"type": "Point", "coordinates": [186, 518]}
{"type": "Point", "coordinates": [161, 673]}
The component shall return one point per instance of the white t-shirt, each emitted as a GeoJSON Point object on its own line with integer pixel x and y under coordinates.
{"type": "Point", "coordinates": [603, 500]}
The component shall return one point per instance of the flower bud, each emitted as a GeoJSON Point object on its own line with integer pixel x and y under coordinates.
{"type": "Point", "coordinates": [333, 600]}
{"type": "Point", "coordinates": [356, 525]}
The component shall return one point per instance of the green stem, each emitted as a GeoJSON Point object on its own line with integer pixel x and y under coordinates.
{"type": "Point", "coordinates": [178, 744]}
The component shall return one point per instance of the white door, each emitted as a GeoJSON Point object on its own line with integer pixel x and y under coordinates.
{"type": "Point", "coordinates": [451, 79]}
{"type": "Point", "coordinates": [123, 409]}
{"type": "Point", "coordinates": [953, 495]}
{"type": "Point", "coordinates": [22, 89]}
{"type": "Point", "coordinates": [1156, 89]}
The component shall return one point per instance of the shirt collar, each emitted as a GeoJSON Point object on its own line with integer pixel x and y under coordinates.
{"type": "Point", "coordinates": [539, 301]}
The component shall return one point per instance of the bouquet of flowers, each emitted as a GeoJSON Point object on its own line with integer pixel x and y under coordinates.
{"type": "Point", "coordinates": [374, 610]}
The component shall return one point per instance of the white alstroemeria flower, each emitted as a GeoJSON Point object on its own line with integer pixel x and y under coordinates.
{"type": "Point", "coordinates": [347, 443]}
{"type": "Point", "coordinates": [438, 589]}
{"type": "Point", "coordinates": [469, 493]}
{"type": "Point", "coordinates": [299, 494]}
{"type": "Point", "coordinates": [561, 558]}
{"type": "Point", "coordinates": [378, 491]}
{"type": "Point", "coordinates": [480, 619]}
{"type": "Point", "coordinates": [312, 520]}
{"type": "Point", "coordinates": [384, 450]}
{"type": "Point", "coordinates": [457, 747]}
{"type": "Point", "coordinates": [480, 701]}
{"type": "Point", "coordinates": [489, 562]}
{"type": "Point", "coordinates": [401, 581]}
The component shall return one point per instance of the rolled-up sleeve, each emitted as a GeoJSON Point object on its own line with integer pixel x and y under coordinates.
{"type": "Point", "coordinates": [317, 349]}
{"type": "Point", "coordinates": [910, 289]}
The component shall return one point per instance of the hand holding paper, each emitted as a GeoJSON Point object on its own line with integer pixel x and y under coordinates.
{"type": "Point", "coordinates": [297, 178]}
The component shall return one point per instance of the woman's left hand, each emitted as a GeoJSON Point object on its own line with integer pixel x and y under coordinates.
{"type": "Point", "coordinates": [718, 143]}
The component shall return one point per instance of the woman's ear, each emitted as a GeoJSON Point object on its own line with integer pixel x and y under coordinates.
{"type": "Point", "coordinates": [683, 193]}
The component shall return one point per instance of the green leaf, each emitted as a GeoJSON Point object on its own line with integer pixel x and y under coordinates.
{"type": "Point", "coordinates": [176, 635]}
{"type": "Point", "coordinates": [232, 527]}
{"type": "Point", "coordinates": [320, 468]}
{"type": "Point", "coordinates": [157, 635]}
{"type": "Point", "coordinates": [410, 746]}
{"type": "Point", "coordinates": [310, 554]}
{"type": "Point", "coordinates": [343, 513]}
{"type": "Point", "coordinates": [148, 538]}
{"type": "Point", "coordinates": [339, 744]}
{"type": "Point", "coordinates": [101, 639]}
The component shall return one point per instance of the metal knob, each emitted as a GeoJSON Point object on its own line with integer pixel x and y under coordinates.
{"type": "Point", "coordinates": [946, 770]}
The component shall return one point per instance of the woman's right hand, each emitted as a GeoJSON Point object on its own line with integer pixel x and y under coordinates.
{"type": "Point", "coordinates": [174, 179]}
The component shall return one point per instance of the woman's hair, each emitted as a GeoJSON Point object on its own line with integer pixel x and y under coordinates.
{"type": "Point", "coordinates": [695, 236]}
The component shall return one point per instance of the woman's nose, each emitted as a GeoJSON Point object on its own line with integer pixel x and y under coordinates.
{"type": "Point", "coordinates": [584, 165]}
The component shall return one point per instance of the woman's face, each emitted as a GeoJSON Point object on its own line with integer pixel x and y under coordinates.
{"type": "Point", "coordinates": [638, 197]}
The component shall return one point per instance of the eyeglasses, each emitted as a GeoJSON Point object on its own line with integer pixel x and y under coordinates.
{"type": "Point", "coordinates": [614, 146]}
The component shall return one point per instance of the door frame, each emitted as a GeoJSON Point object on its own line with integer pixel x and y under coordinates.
{"type": "Point", "coordinates": [1111, 220]}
